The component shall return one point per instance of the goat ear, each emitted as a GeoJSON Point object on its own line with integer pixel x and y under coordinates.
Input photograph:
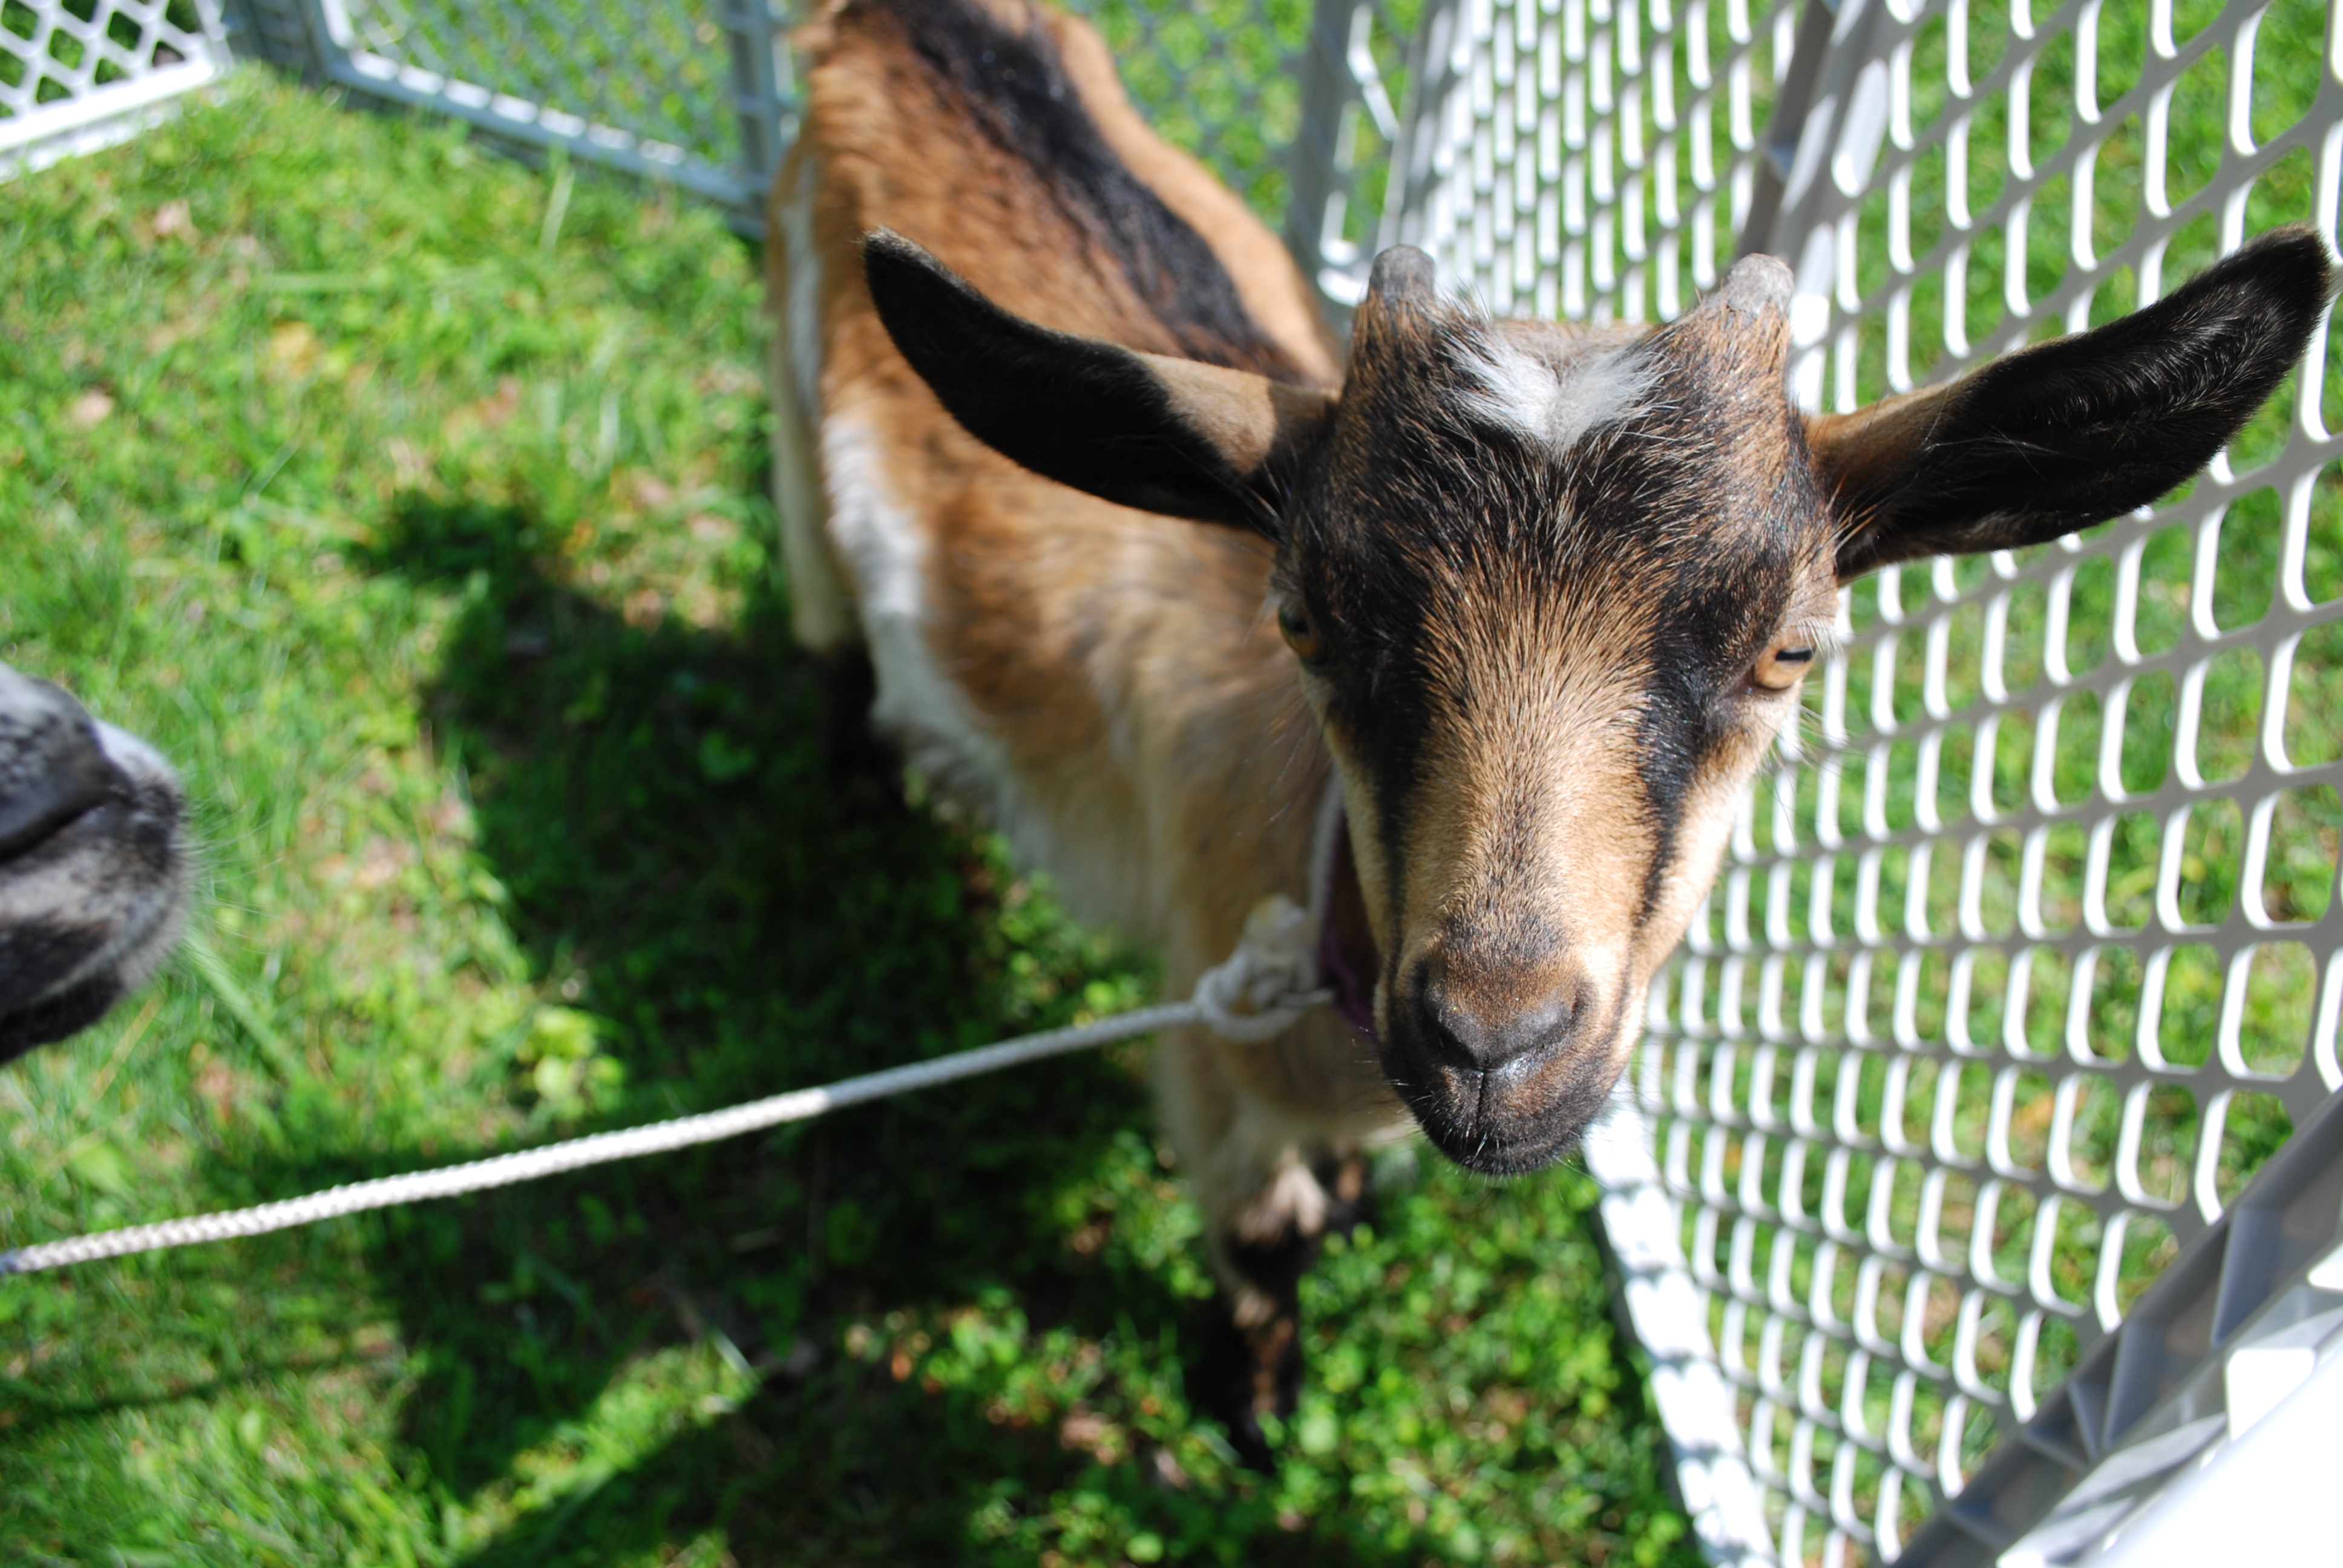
{"type": "Point", "coordinates": [2071, 432]}
{"type": "Point", "coordinates": [1162, 434]}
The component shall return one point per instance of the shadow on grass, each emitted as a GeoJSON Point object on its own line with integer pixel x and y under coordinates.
{"type": "Point", "coordinates": [31, 1417]}
{"type": "Point", "coordinates": [743, 913]}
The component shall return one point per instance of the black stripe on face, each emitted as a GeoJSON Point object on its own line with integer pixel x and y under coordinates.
{"type": "Point", "coordinates": [1712, 619]}
{"type": "Point", "coordinates": [1405, 519]}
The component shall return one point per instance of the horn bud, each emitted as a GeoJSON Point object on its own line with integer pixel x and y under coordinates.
{"type": "Point", "coordinates": [1402, 276]}
{"type": "Point", "coordinates": [1756, 284]}
{"type": "Point", "coordinates": [1742, 326]}
{"type": "Point", "coordinates": [1403, 288]}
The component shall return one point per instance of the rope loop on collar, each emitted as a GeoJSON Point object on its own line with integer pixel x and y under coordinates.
{"type": "Point", "coordinates": [1263, 988]}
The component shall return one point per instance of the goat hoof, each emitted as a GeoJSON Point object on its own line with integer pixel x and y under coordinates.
{"type": "Point", "coordinates": [847, 685]}
{"type": "Point", "coordinates": [1245, 1374]}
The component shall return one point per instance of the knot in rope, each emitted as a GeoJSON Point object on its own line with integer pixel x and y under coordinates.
{"type": "Point", "coordinates": [1270, 981]}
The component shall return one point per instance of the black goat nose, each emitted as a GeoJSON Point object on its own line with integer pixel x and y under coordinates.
{"type": "Point", "coordinates": [1483, 1025]}
{"type": "Point", "coordinates": [52, 766]}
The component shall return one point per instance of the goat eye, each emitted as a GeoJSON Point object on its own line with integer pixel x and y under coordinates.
{"type": "Point", "coordinates": [1778, 668]}
{"type": "Point", "coordinates": [1300, 633]}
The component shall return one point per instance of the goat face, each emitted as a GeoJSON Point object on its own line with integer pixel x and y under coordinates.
{"type": "Point", "coordinates": [92, 863]}
{"type": "Point", "coordinates": [1551, 591]}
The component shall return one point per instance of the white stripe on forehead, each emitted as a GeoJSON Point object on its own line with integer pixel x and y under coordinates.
{"type": "Point", "coordinates": [1552, 390]}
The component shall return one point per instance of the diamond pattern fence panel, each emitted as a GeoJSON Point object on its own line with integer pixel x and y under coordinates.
{"type": "Point", "coordinates": [2027, 957]}
{"type": "Point", "coordinates": [692, 92]}
{"type": "Point", "coordinates": [666, 87]}
{"type": "Point", "coordinates": [79, 75]}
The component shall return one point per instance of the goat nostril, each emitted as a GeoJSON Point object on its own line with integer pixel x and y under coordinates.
{"type": "Point", "coordinates": [51, 773]}
{"type": "Point", "coordinates": [1485, 1036]}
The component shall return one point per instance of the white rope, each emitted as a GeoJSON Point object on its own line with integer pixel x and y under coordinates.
{"type": "Point", "coordinates": [1270, 972]}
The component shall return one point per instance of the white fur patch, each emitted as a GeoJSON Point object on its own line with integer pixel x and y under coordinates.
{"type": "Point", "coordinates": [821, 611]}
{"type": "Point", "coordinates": [1554, 402]}
{"type": "Point", "coordinates": [1291, 1202]}
{"type": "Point", "coordinates": [801, 308]}
{"type": "Point", "coordinates": [886, 552]}
{"type": "Point", "coordinates": [885, 549]}
{"type": "Point", "coordinates": [1090, 846]}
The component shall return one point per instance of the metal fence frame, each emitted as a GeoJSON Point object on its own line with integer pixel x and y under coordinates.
{"type": "Point", "coordinates": [1347, 111]}
{"type": "Point", "coordinates": [1605, 158]}
{"type": "Point", "coordinates": [322, 41]}
{"type": "Point", "coordinates": [375, 50]}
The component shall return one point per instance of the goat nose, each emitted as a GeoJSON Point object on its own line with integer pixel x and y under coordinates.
{"type": "Point", "coordinates": [1482, 1026]}
{"type": "Point", "coordinates": [52, 766]}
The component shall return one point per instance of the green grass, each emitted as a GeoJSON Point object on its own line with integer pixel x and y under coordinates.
{"type": "Point", "coordinates": [428, 539]}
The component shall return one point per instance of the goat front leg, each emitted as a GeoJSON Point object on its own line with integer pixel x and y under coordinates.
{"type": "Point", "coordinates": [1272, 1187]}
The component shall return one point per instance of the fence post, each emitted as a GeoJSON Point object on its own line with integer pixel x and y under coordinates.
{"type": "Point", "coordinates": [280, 32]}
{"type": "Point", "coordinates": [1820, 147]}
{"type": "Point", "coordinates": [1761, 230]}
{"type": "Point", "coordinates": [1415, 153]}
{"type": "Point", "coordinates": [1315, 206]}
{"type": "Point", "coordinates": [759, 45]}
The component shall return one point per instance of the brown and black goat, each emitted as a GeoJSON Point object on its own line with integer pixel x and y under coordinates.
{"type": "Point", "coordinates": [1147, 571]}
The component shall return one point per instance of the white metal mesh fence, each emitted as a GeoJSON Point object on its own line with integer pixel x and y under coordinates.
{"type": "Point", "coordinates": [2027, 957]}
{"type": "Point", "coordinates": [1354, 79]}
{"type": "Point", "coordinates": [654, 83]}
{"type": "Point", "coordinates": [78, 74]}
{"type": "Point", "coordinates": [1587, 159]}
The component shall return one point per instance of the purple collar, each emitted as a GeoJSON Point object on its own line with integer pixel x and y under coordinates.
{"type": "Point", "coordinates": [1354, 993]}
{"type": "Point", "coordinates": [1355, 1000]}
